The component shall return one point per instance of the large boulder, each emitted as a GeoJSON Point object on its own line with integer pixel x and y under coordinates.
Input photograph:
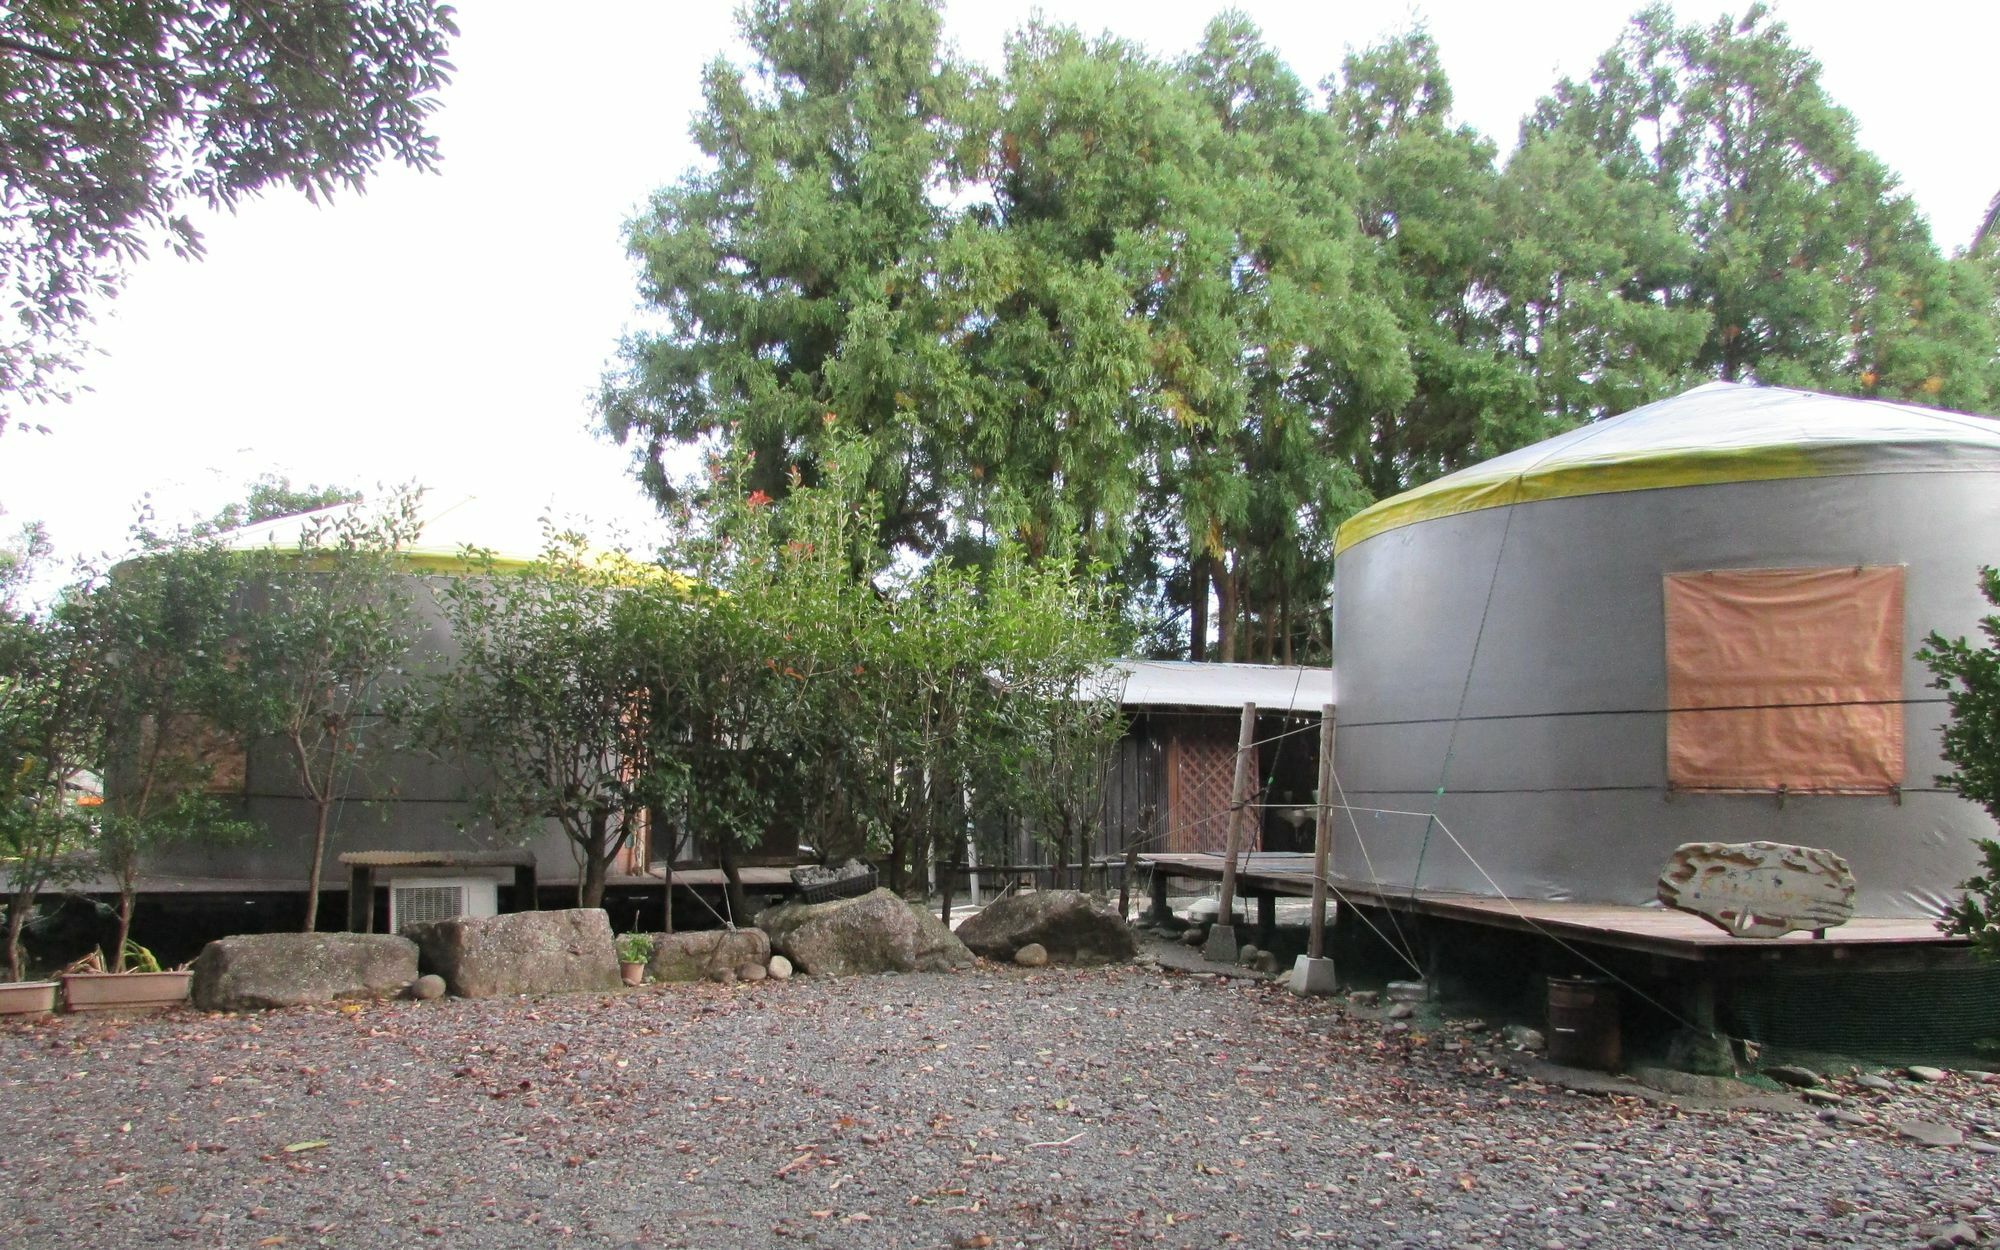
{"type": "Point", "coordinates": [524, 952]}
{"type": "Point", "coordinates": [261, 970]}
{"type": "Point", "coordinates": [877, 932]}
{"type": "Point", "coordinates": [1072, 927]}
{"type": "Point", "coordinates": [697, 956]}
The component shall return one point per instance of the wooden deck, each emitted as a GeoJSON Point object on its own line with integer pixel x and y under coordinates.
{"type": "Point", "coordinates": [1654, 930]}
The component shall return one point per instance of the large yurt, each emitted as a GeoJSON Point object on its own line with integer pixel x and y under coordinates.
{"type": "Point", "coordinates": [1693, 622]}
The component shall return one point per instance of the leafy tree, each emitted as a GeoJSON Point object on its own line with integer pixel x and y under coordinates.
{"type": "Point", "coordinates": [1812, 265]}
{"type": "Point", "coordinates": [327, 630]}
{"type": "Point", "coordinates": [117, 113]}
{"type": "Point", "coordinates": [272, 496]}
{"type": "Point", "coordinates": [47, 733]}
{"type": "Point", "coordinates": [793, 272]}
{"type": "Point", "coordinates": [545, 694]}
{"type": "Point", "coordinates": [1969, 675]}
{"type": "Point", "coordinates": [173, 697]}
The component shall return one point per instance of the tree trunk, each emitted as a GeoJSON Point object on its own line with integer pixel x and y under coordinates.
{"type": "Point", "coordinates": [1198, 607]}
{"type": "Point", "coordinates": [732, 885]}
{"type": "Point", "coordinates": [1226, 606]}
{"type": "Point", "coordinates": [17, 915]}
{"type": "Point", "coordinates": [127, 895]}
{"type": "Point", "coordinates": [323, 819]}
{"type": "Point", "coordinates": [590, 891]}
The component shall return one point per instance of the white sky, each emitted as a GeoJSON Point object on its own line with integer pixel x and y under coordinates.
{"type": "Point", "coordinates": [451, 328]}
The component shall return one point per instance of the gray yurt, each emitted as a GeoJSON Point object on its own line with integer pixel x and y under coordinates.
{"type": "Point", "coordinates": [1692, 622]}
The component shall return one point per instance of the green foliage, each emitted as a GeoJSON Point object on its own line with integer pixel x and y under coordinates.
{"type": "Point", "coordinates": [272, 496]}
{"type": "Point", "coordinates": [116, 114]}
{"type": "Point", "coordinates": [47, 733]}
{"type": "Point", "coordinates": [635, 948]}
{"type": "Point", "coordinates": [546, 693]}
{"type": "Point", "coordinates": [326, 630]}
{"type": "Point", "coordinates": [1970, 677]}
{"type": "Point", "coordinates": [1813, 266]}
{"type": "Point", "coordinates": [171, 693]}
{"type": "Point", "coordinates": [1176, 319]}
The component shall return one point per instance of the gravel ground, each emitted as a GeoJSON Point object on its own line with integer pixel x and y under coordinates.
{"type": "Point", "coordinates": [1110, 1107]}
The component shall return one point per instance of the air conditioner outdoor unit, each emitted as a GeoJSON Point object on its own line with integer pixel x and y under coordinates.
{"type": "Point", "coordinates": [416, 900]}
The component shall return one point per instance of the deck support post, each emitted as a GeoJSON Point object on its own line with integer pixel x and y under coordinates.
{"type": "Point", "coordinates": [1158, 913]}
{"type": "Point", "coordinates": [360, 899]}
{"type": "Point", "coordinates": [1313, 973]}
{"type": "Point", "coordinates": [1221, 945]}
{"type": "Point", "coordinates": [1267, 920]}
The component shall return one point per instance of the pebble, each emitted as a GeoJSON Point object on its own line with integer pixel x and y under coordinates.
{"type": "Point", "coordinates": [1822, 1097]}
{"type": "Point", "coordinates": [427, 987]}
{"type": "Point", "coordinates": [1927, 1075]}
{"type": "Point", "coordinates": [752, 971]}
{"type": "Point", "coordinates": [1792, 1074]}
{"type": "Point", "coordinates": [1880, 1084]}
{"type": "Point", "coordinates": [1033, 955]}
{"type": "Point", "coordinates": [1929, 1132]}
{"type": "Point", "coordinates": [780, 968]}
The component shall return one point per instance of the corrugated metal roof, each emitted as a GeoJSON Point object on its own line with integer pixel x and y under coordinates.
{"type": "Point", "coordinates": [1181, 683]}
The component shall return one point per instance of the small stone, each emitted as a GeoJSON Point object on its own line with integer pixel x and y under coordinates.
{"type": "Point", "coordinates": [1033, 955]}
{"type": "Point", "coordinates": [1364, 998]}
{"type": "Point", "coordinates": [1473, 1026]}
{"type": "Point", "coordinates": [1822, 1097]}
{"type": "Point", "coordinates": [1985, 1148]}
{"type": "Point", "coordinates": [1400, 1011]}
{"type": "Point", "coordinates": [1792, 1074]}
{"type": "Point", "coordinates": [723, 976]}
{"type": "Point", "coordinates": [1844, 1118]}
{"type": "Point", "coordinates": [1246, 955]}
{"type": "Point", "coordinates": [1524, 1038]}
{"type": "Point", "coordinates": [1927, 1075]}
{"type": "Point", "coordinates": [427, 987]}
{"type": "Point", "coordinates": [1929, 1133]}
{"type": "Point", "coordinates": [1266, 962]}
{"type": "Point", "coordinates": [780, 968]}
{"type": "Point", "coordinates": [1879, 1084]}
{"type": "Point", "coordinates": [1195, 936]}
{"type": "Point", "coordinates": [751, 972]}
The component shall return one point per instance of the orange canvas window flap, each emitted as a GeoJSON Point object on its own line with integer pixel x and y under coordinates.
{"type": "Point", "coordinates": [1786, 678]}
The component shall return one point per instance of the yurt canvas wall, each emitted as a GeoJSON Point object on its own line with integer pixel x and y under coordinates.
{"type": "Point", "coordinates": [1693, 622]}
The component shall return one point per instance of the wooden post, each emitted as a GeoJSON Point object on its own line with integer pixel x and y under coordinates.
{"type": "Point", "coordinates": [1322, 834]}
{"type": "Point", "coordinates": [1221, 945]}
{"type": "Point", "coordinates": [360, 899]}
{"type": "Point", "coordinates": [1239, 793]}
{"type": "Point", "coordinates": [944, 874]}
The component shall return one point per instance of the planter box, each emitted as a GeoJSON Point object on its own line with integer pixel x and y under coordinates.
{"type": "Point", "coordinates": [27, 998]}
{"type": "Point", "coordinates": [129, 991]}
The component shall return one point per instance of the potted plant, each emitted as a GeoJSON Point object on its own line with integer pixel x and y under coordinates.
{"type": "Point", "coordinates": [634, 950]}
{"type": "Point", "coordinates": [143, 986]}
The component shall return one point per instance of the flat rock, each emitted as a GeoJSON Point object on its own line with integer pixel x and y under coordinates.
{"type": "Point", "coordinates": [1879, 1084]}
{"type": "Point", "coordinates": [524, 952]}
{"type": "Point", "coordinates": [265, 970]}
{"type": "Point", "coordinates": [694, 956]}
{"type": "Point", "coordinates": [1071, 926]}
{"type": "Point", "coordinates": [877, 932]}
{"type": "Point", "coordinates": [1822, 1097]}
{"type": "Point", "coordinates": [1929, 1133]}
{"type": "Point", "coordinates": [1792, 1074]}
{"type": "Point", "coordinates": [1927, 1075]}
{"type": "Point", "coordinates": [1759, 889]}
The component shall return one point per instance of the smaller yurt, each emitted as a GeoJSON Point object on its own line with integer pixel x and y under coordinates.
{"type": "Point", "coordinates": [408, 813]}
{"type": "Point", "coordinates": [1693, 622]}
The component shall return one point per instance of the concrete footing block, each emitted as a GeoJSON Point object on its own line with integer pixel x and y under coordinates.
{"type": "Point", "coordinates": [1221, 946]}
{"type": "Point", "coordinates": [1313, 978]}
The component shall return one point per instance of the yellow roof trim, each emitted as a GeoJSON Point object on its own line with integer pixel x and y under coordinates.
{"type": "Point", "coordinates": [1453, 496]}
